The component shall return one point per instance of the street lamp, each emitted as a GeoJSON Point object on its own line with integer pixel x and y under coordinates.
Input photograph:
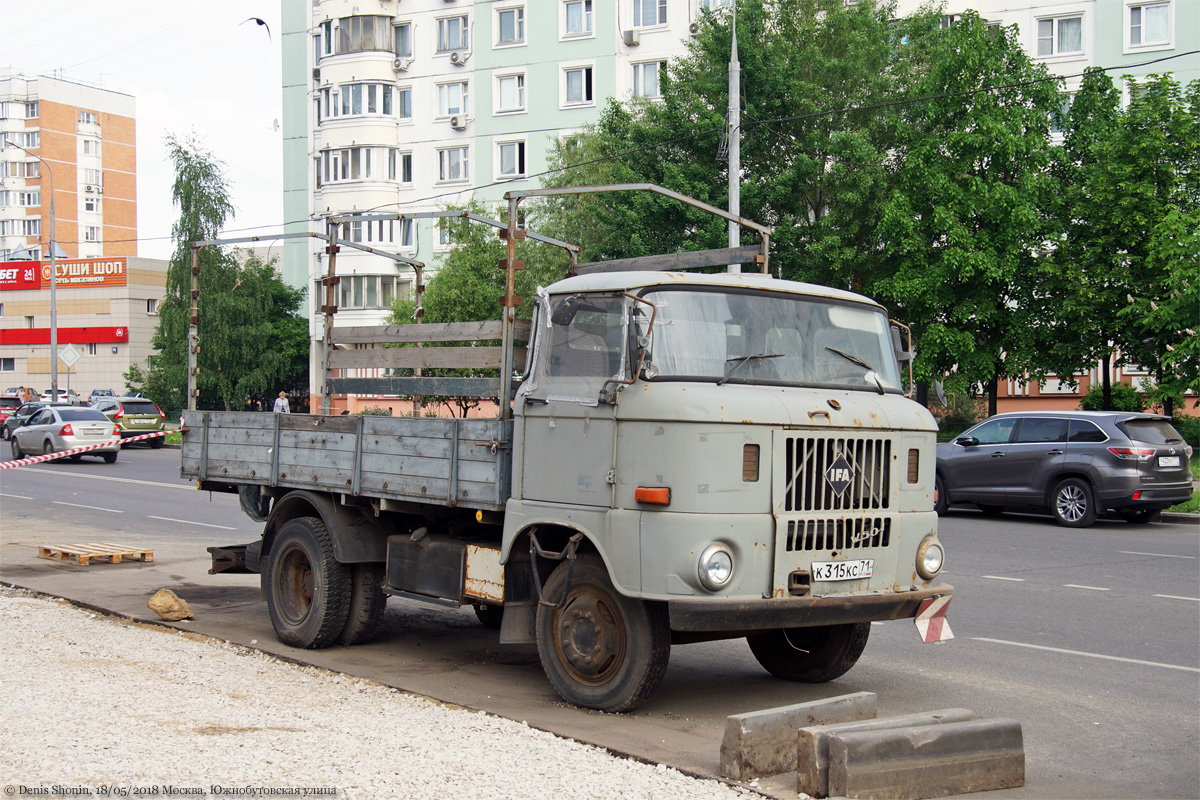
{"type": "Point", "coordinates": [53, 281]}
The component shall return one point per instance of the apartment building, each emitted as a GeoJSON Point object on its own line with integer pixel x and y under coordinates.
{"type": "Point", "coordinates": [410, 105]}
{"type": "Point", "coordinates": [72, 157]}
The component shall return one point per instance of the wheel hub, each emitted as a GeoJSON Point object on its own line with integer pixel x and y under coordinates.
{"type": "Point", "coordinates": [1071, 505]}
{"type": "Point", "coordinates": [591, 637]}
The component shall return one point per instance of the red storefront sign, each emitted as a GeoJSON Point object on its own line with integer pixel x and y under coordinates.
{"type": "Point", "coordinates": [72, 273]}
{"type": "Point", "coordinates": [88, 335]}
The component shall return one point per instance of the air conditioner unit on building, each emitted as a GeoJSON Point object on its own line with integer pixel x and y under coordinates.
{"type": "Point", "coordinates": [459, 123]}
{"type": "Point", "coordinates": [401, 64]}
{"type": "Point", "coordinates": [631, 37]}
{"type": "Point", "coordinates": [89, 189]}
{"type": "Point", "coordinates": [459, 57]}
{"type": "Point", "coordinates": [316, 73]}
{"type": "Point", "coordinates": [694, 28]}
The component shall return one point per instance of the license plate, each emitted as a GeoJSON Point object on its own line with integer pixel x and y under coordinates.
{"type": "Point", "coordinates": [843, 570]}
{"type": "Point", "coordinates": [1168, 461]}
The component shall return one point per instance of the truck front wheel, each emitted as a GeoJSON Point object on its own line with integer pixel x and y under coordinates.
{"type": "Point", "coordinates": [810, 655]}
{"type": "Point", "coordinates": [308, 591]}
{"type": "Point", "coordinates": [601, 649]}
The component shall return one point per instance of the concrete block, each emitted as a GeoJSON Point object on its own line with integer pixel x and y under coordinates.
{"type": "Point", "coordinates": [927, 760]}
{"type": "Point", "coordinates": [763, 742]}
{"type": "Point", "coordinates": [812, 757]}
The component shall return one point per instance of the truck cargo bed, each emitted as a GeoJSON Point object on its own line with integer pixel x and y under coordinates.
{"type": "Point", "coordinates": [444, 461]}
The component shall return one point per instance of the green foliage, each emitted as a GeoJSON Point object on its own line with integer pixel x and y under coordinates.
{"type": "Point", "coordinates": [376, 411]}
{"type": "Point", "coordinates": [253, 341]}
{"type": "Point", "coordinates": [134, 378]}
{"type": "Point", "coordinates": [1189, 429]}
{"type": "Point", "coordinates": [962, 410]}
{"type": "Point", "coordinates": [1124, 398]}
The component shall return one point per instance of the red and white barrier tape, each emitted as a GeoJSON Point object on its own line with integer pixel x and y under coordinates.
{"type": "Point", "coordinates": [24, 462]}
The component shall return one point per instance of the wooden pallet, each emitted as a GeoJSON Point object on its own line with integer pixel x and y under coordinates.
{"type": "Point", "coordinates": [82, 554]}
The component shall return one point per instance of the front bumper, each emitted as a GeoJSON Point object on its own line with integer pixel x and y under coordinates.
{"type": "Point", "coordinates": [734, 616]}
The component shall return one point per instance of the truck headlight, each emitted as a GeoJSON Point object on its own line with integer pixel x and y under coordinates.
{"type": "Point", "coordinates": [716, 566]}
{"type": "Point", "coordinates": [930, 558]}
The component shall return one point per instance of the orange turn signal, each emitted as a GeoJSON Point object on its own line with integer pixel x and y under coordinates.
{"type": "Point", "coordinates": [658, 495]}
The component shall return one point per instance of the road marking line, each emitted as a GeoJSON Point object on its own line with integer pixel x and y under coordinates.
{"type": "Point", "coordinates": [1089, 655]}
{"type": "Point", "coordinates": [1177, 597]}
{"type": "Point", "coordinates": [91, 508]}
{"type": "Point", "coordinates": [1093, 588]}
{"type": "Point", "coordinates": [1002, 578]}
{"type": "Point", "coordinates": [191, 487]}
{"type": "Point", "coordinates": [17, 496]}
{"type": "Point", "coordinates": [1160, 555]}
{"type": "Point", "coordinates": [189, 522]}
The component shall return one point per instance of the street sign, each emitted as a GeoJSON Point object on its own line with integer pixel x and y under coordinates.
{"type": "Point", "coordinates": [69, 355]}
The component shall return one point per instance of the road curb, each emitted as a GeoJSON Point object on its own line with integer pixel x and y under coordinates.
{"type": "Point", "coordinates": [1176, 516]}
{"type": "Point", "coordinates": [927, 760]}
{"type": "Point", "coordinates": [761, 743]}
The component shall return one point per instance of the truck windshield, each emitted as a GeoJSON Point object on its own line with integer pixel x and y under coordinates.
{"type": "Point", "coordinates": [770, 338]}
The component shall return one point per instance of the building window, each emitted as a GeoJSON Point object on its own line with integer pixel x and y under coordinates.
{"type": "Point", "coordinates": [91, 233]}
{"type": "Point", "coordinates": [31, 110]}
{"type": "Point", "coordinates": [8, 365]}
{"type": "Point", "coordinates": [452, 34]}
{"type": "Point", "coordinates": [151, 306]}
{"type": "Point", "coordinates": [649, 12]}
{"type": "Point", "coordinates": [326, 46]}
{"type": "Point", "coordinates": [20, 169]}
{"type": "Point", "coordinates": [1058, 36]}
{"type": "Point", "coordinates": [29, 322]}
{"type": "Point", "coordinates": [1149, 24]}
{"type": "Point", "coordinates": [452, 99]}
{"type": "Point", "coordinates": [403, 40]}
{"type": "Point", "coordinates": [368, 291]}
{"type": "Point", "coordinates": [713, 5]}
{"type": "Point", "coordinates": [355, 34]}
{"type": "Point", "coordinates": [27, 139]}
{"type": "Point", "coordinates": [91, 349]}
{"type": "Point", "coordinates": [577, 15]}
{"type": "Point", "coordinates": [404, 103]}
{"type": "Point", "coordinates": [91, 147]}
{"type": "Point", "coordinates": [512, 159]}
{"type": "Point", "coordinates": [579, 85]}
{"type": "Point", "coordinates": [454, 165]}
{"type": "Point", "coordinates": [88, 118]}
{"type": "Point", "coordinates": [510, 93]}
{"type": "Point", "coordinates": [399, 166]}
{"type": "Point", "coordinates": [91, 204]}
{"type": "Point", "coordinates": [351, 164]}
{"type": "Point", "coordinates": [443, 232]}
{"type": "Point", "coordinates": [26, 226]}
{"type": "Point", "coordinates": [645, 79]}
{"type": "Point", "coordinates": [91, 177]}
{"type": "Point", "coordinates": [510, 26]}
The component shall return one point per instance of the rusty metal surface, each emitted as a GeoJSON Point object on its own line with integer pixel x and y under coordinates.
{"type": "Point", "coordinates": [485, 575]}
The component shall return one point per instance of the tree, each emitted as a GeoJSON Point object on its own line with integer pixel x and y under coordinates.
{"type": "Point", "coordinates": [1125, 271]}
{"type": "Point", "coordinates": [134, 378]}
{"type": "Point", "coordinates": [966, 215]}
{"type": "Point", "coordinates": [252, 339]}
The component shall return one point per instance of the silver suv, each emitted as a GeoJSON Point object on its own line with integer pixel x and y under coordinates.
{"type": "Point", "coordinates": [1077, 464]}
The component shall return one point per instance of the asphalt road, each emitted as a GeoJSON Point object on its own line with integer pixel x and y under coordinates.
{"type": "Point", "coordinates": [1089, 638]}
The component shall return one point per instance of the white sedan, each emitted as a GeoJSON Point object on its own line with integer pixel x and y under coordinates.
{"type": "Point", "coordinates": [58, 428]}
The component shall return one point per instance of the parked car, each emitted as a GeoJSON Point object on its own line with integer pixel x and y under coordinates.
{"type": "Point", "coordinates": [57, 427]}
{"type": "Point", "coordinates": [1076, 464]}
{"type": "Point", "coordinates": [22, 415]}
{"type": "Point", "coordinates": [23, 393]}
{"type": "Point", "coordinates": [64, 396]}
{"type": "Point", "coordinates": [100, 394]}
{"type": "Point", "coordinates": [7, 406]}
{"type": "Point", "coordinates": [135, 416]}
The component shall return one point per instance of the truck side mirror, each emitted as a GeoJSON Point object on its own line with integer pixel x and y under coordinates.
{"type": "Point", "coordinates": [899, 347]}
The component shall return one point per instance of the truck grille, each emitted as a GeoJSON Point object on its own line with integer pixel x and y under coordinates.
{"type": "Point", "coordinates": [838, 534]}
{"type": "Point", "coordinates": [807, 468]}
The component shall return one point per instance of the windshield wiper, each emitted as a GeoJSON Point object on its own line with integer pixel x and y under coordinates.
{"type": "Point", "coordinates": [856, 360]}
{"type": "Point", "coordinates": [742, 360]}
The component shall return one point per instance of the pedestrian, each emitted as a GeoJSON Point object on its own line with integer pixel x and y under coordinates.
{"type": "Point", "coordinates": [281, 404]}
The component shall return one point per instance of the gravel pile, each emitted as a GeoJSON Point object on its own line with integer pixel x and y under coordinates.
{"type": "Point", "coordinates": [91, 705]}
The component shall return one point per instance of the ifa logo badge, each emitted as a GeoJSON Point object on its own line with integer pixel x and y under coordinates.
{"type": "Point", "coordinates": [838, 475]}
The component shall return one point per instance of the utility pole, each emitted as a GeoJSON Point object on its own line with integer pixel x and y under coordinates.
{"type": "Point", "coordinates": [735, 142]}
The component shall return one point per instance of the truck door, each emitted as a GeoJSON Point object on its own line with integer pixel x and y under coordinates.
{"type": "Point", "coordinates": [569, 427]}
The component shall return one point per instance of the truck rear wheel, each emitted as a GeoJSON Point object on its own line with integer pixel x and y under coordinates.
{"type": "Point", "coordinates": [367, 604]}
{"type": "Point", "coordinates": [601, 649]}
{"type": "Point", "coordinates": [308, 591]}
{"type": "Point", "coordinates": [810, 655]}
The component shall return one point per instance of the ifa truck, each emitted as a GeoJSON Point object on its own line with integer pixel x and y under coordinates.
{"type": "Point", "coordinates": [675, 457]}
